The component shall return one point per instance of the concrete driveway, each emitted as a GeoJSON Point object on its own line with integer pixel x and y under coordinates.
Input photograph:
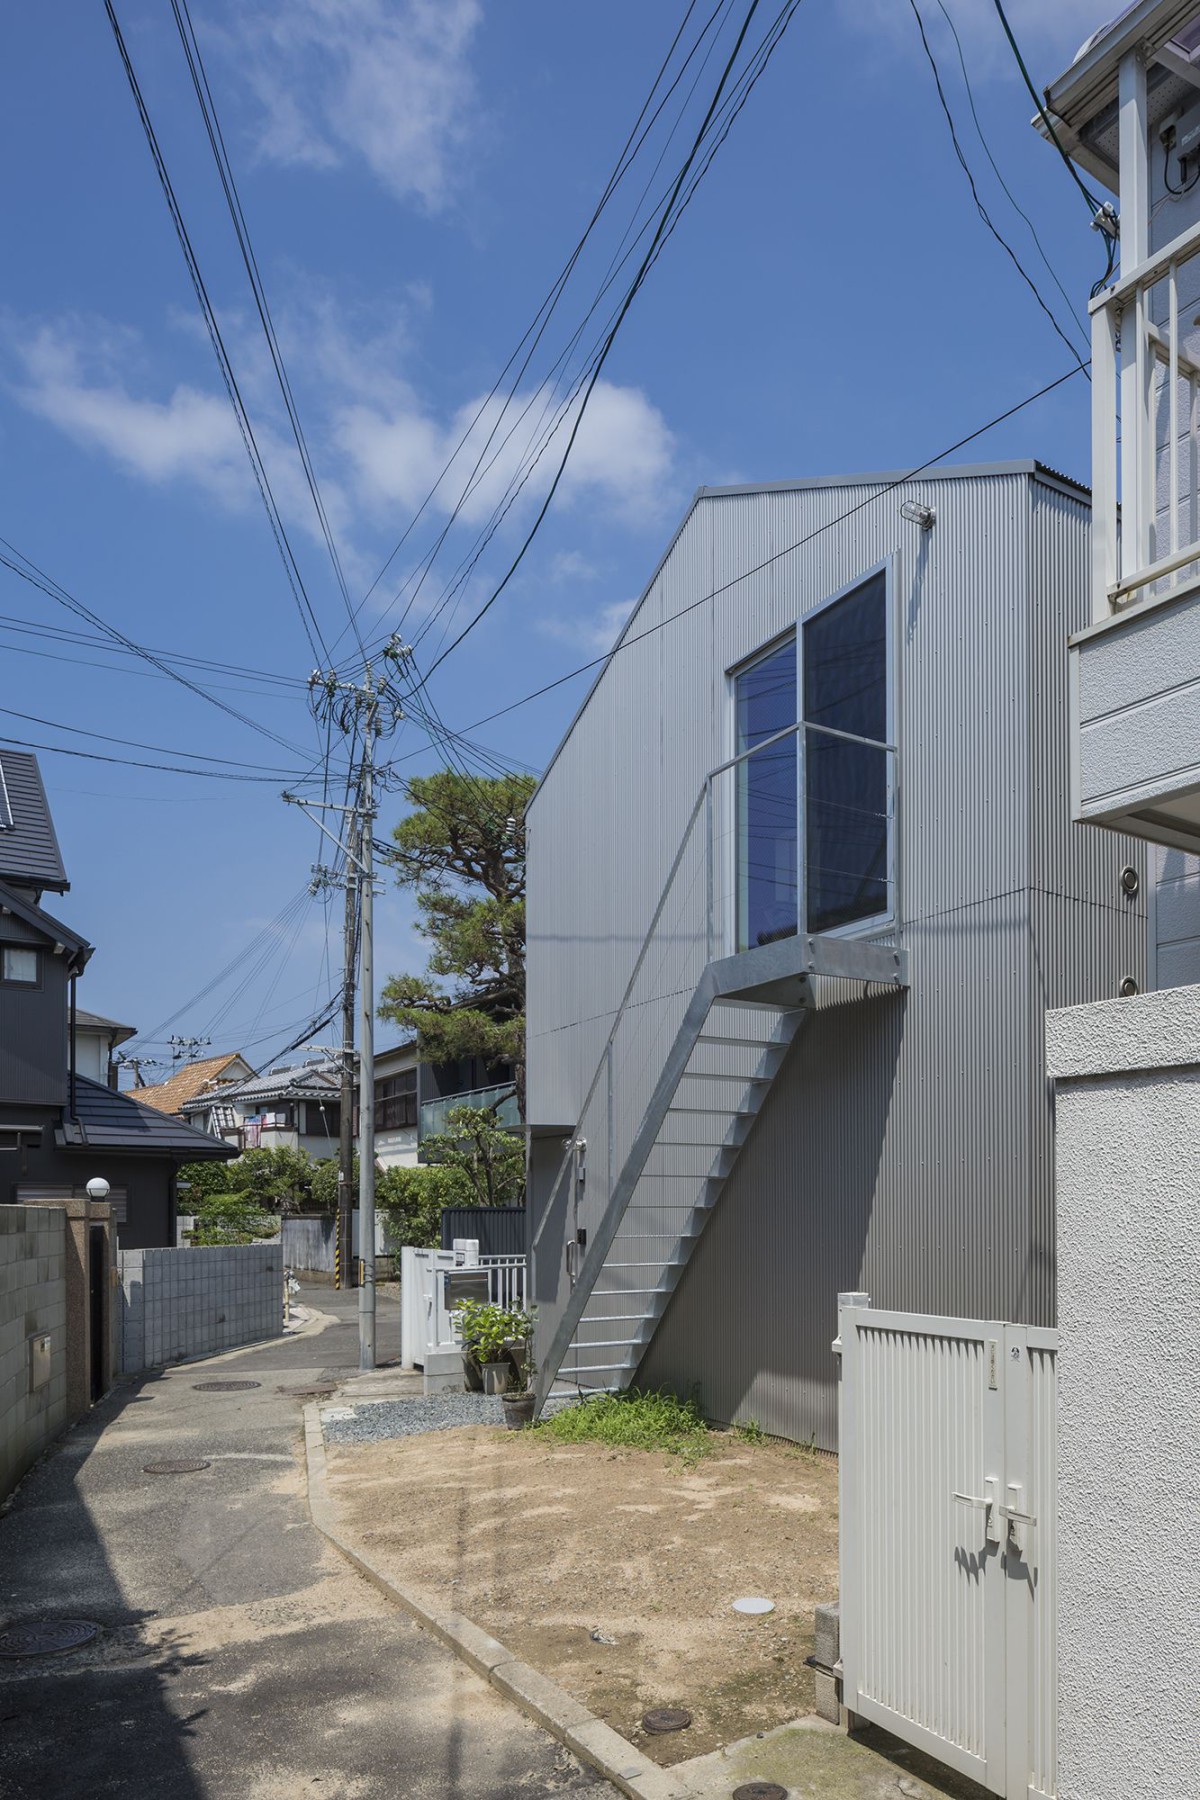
{"type": "Point", "coordinates": [241, 1658]}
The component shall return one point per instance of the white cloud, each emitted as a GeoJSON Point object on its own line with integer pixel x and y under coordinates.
{"type": "Point", "coordinates": [594, 632]}
{"type": "Point", "coordinates": [1048, 34]}
{"type": "Point", "coordinates": [623, 455]}
{"type": "Point", "coordinates": [385, 81]}
{"type": "Point", "coordinates": [569, 565]}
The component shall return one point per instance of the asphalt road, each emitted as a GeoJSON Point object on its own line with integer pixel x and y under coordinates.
{"type": "Point", "coordinates": [241, 1658]}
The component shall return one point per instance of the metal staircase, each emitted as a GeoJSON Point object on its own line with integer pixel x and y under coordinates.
{"type": "Point", "coordinates": [695, 1044]}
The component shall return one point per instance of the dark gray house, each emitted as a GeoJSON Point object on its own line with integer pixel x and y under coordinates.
{"type": "Point", "coordinates": [58, 1128]}
{"type": "Point", "coordinates": [802, 885]}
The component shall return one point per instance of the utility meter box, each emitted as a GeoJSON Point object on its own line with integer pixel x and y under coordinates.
{"type": "Point", "coordinates": [39, 1360]}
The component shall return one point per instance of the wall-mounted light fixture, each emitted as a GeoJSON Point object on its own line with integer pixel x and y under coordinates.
{"type": "Point", "coordinates": [1131, 881]}
{"type": "Point", "coordinates": [917, 514]}
{"type": "Point", "coordinates": [1128, 987]}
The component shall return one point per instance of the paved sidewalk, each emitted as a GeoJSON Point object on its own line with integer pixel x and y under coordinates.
{"type": "Point", "coordinates": [241, 1658]}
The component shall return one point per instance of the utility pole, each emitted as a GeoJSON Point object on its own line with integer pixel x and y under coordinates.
{"type": "Point", "coordinates": [371, 709]}
{"type": "Point", "coordinates": [366, 1052]}
{"type": "Point", "coordinates": [345, 1191]}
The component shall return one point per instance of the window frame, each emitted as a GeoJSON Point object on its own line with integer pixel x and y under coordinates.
{"type": "Point", "coordinates": [12, 981]}
{"type": "Point", "coordinates": [886, 566]}
{"type": "Point", "coordinates": [408, 1093]}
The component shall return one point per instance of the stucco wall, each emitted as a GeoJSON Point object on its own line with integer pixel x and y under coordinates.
{"type": "Point", "coordinates": [33, 1299]}
{"type": "Point", "coordinates": [181, 1303]}
{"type": "Point", "coordinates": [1128, 1181]}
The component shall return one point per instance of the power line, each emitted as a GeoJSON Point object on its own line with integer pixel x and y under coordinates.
{"type": "Point", "coordinates": [131, 762]}
{"type": "Point", "coordinates": [216, 139]}
{"type": "Point", "coordinates": [889, 487]}
{"type": "Point", "coordinates": [134, 744]}
{"type": "Point", "coordinates": [28, 570]}
{"type": "Point", "coordinates": [630, 296]}
{"type": "Point", "coordinates": [980, 208]}
{"type": "Point", "coordinates": [308, 617]}
{"type": "Point", "coordinates": [1095, 207]}
{"type": "Point", "coordinates": [1012, 199]}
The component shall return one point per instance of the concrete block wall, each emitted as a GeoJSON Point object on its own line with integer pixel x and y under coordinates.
{"type": "Point", "coordinates": [195, 1302]}
{"type": "Point", "coordinates": [33, 1299]}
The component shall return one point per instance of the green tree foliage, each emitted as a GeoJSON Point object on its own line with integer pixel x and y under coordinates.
{"type": "Point", "coordinates": [231, 1219]}
{"type": "Point", "coordinates": [281, 1178]}
{"type": "Point", "coordinates": [488, 1162]}
{"type": "Point", "coordinates": [412, 1200]}
{"type": "Point", "coordinates": [202, 1178]}
{"type": "Point", "coordinates": [462, 852]}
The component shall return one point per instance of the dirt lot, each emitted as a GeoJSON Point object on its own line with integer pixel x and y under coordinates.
{"type": "Point", "coordinates": [544, 1544]}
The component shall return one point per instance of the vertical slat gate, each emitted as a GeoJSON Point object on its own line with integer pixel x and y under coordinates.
{"type": "Point", "coordinates": [947, 1480]}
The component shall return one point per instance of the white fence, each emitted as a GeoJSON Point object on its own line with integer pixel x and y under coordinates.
{"type": "Point", "coordinates": [947, 1479]}
{"type": "Point", "coordinates": [425, 1319]}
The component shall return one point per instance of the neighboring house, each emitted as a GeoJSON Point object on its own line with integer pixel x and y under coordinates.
{"type": "Point", "coordinates": [195, 1079]}
{"type": "Point", "coordinates": [294, 1107]}
{"type": "Point", "coordinates": [802, 886]}
{"type": "Point", "coordinates": [96, 1042]}
{"type": "Point", "coordinates": [398, 1077]}
{"type": "Point", "coordinates": [412, 1099]}
{"type": "Point", "coordinates": [58, 1127]}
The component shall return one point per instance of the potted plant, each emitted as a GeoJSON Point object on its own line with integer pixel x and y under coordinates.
{"type": "Point", "coordinates": [517, 1344]}
{"type": "Point", "coordinates": [490, 1328]}
{"type": "Point", "coordinates": [465, 1317]}
{"type": "Point", "coordinates": [520, 1401]}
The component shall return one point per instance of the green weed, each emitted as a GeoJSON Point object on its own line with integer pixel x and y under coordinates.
{"type": "Point", "coordinates": [633, 1421]}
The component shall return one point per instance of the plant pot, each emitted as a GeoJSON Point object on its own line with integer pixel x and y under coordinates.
{"type": "Point", "coordinates": [472, 1376]}
{"type": "Point", "coordinates": [518, 1411]}
{"type": "Point", "coordinates": [497, 1376]}
{"type": "Point", "coordinates": [517, 1350]}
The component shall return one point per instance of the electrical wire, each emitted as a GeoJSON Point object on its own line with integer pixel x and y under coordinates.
{"type": "Point", "coordinates": [216, 139]}
{"type": "Point", "coordinates": [629, 639]}
{"type": "Point", "coordinates": [980, 208]}
{"type": "Point", "coordinates": [131, 762]}
{"type": "Point", "coordinates": [135, 744]}
{"type": "Point", "coordinates": [1010, 196]}
{"type": "Point", "coordinates": [1096, 207]}
{"type": "Point", "coordinates": [308, 617]}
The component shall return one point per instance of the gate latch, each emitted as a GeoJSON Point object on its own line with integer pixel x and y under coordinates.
{"type": "Point", "coordinates": [987, 1501]}
{"type": "Point", "coordinates": [1019, 1523]}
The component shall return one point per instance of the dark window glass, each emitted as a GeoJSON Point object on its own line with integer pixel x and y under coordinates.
{"type": "Point", "coordinates": [396, 1102]}
{"type": "Point", "coordinates": [324, 1118]}
{"type": "Point", "coordinates": [846, 785]}
{"type": "Point", "coordinates": [767, 800]}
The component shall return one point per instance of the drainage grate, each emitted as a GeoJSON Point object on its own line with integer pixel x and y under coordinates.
{"type": "Point", "coordinates": [45, 1637]}
{"type": "Point", "coordinates": [310, 1393]}
{"type": "Point", "coordinates": [224, 1387]}
{"type": "Point", "coordinates": [666, 1718]}
{"type": "Point", "coordinates": [178, 1465]}
{"type": "Point", "coordinates": [760, 1790]}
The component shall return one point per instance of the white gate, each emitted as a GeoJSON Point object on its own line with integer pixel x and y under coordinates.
{"type": "Point", "coordinates": [947, 1489]}
{"type": "Point", "coordinates": [425, 1320]}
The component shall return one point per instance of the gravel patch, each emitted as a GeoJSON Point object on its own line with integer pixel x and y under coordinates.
{"type": "Point", "coordinates": [375, 1421]}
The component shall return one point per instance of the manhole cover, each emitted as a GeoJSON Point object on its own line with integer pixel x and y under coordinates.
{"type": "Point", "coordinates": [178, 1465]}
{"type": "Point", "coordinates": [42, 1637]}
{"type": "Point", "coordinates": [224, 1387]}
{"type": "Point", "coordinates": [760, 1790]}
{"type": "Point", "coordinates": [666, 1718]}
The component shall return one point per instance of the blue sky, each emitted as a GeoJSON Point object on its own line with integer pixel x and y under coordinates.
{"type": "Point", "coordinates": [414, 174]}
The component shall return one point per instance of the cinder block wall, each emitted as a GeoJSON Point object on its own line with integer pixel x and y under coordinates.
{"type": "Point", "coordinates": [194, 1302]}
{"type": "Point", "coordinates": [33, 1299]}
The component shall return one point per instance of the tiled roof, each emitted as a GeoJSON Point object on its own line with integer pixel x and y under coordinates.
{"type": "Point", "coordinates": [302, 1081]}
{"type": "Point", "coordinates": [189, 1082]}
{"type": "Point", "coordinates": [112, 1121]}
{"type": "Point", "coordinates": [29, 852]}
{"type": "Point", "coordinates": [90, 1021]}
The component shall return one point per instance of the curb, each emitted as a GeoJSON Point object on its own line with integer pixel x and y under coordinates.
{"type": "Point", "coordinates": [541, 1699]}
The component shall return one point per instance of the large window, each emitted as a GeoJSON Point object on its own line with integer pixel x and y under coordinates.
{"type": "Point", "coordinates": [846, 784]}
{"type": "Point", "coordinates": [396, 1102]}
{"type": "Point", "coordinates": [767, 799]}
{"type": "Point", "coordinates": [323, 1118]}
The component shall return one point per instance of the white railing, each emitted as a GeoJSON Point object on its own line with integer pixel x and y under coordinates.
{"type": "Point", "coordinates": [426, 1321]}
{"type": "Point", "coordinates": [1146, 430]}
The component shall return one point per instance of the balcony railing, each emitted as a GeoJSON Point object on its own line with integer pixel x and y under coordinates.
{"type": "Point", "coordinates": [503, 1098]}
{"type": "Point", "coordinates": [1146, 430]}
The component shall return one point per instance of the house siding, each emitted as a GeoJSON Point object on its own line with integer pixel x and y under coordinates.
{"type": "Point", "coordinates": [905, 1147]}
{"type": "Point", "coordinates": [33, 1029]}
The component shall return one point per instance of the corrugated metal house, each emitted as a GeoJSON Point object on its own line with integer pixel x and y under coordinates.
{"type": "Point", "coordinates": [802, 885]}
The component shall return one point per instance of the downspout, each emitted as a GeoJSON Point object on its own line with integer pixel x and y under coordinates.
{"type": "Point", "coordinates": [71, 1065]}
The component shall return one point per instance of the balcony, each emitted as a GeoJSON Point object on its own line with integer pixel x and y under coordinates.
{"type": "Point", "coordinates": [1135, 686]}
{"type": "Point", "coordinates": [434, 1113]}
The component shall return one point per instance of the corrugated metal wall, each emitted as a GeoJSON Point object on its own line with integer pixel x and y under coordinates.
{"type": "Point", "coordinates": [905, 1148]}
